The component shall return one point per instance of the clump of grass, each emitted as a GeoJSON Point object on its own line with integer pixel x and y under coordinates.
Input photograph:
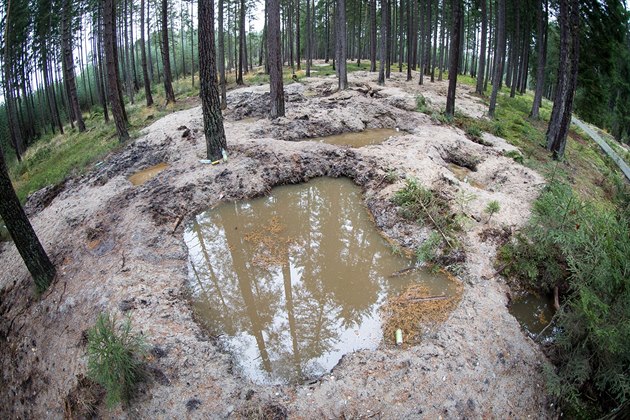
{"type": "Point", "coordinates": [492, 208]}
{"type": "Point", "coordinates": [516, 155]}
{"type": "Point", "coordinates": [421, 104]}
{"type": "Point", "coordinates": [429, 248]}
{"type": "Point", "coordinates": [391, 176]}
{"type": "Point", "coordinates": [428, 208]}
{"type": "Point", "coordinates": [115, 358]}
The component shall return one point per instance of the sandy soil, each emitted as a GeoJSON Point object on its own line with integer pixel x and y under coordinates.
{"type": "Point", "coordinates": [116, 250]}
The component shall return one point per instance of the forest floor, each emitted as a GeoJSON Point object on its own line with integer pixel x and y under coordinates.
{"type": "Point", "coordinates": [119, 248]}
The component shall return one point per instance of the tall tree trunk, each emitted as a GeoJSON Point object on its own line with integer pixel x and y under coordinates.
{"type": "Point", "coordinates": [389, 31]}
{"type": "Point", "coordinates": [68, 61]}
{"type": "Point", "coordinates": [490, 48]}
{"type": "Point", "coordinates": [482, 48]}
{"type": "Point", "coordinates": [111, 57]}
{"type": "Point", "coordinates": [308, 38]}
{"type": "Point", "coordinates": [99, 61]}
{"type": "Point", "coordinates": [442, 40]}
{"type": "Point", "coordinates": [209, 92]}
{"type": "Point", "coordinates": [372, 35]}
{"type": "Point", "coordinates": [151, 73]}
{"type": "Point", "coordinates": [134, 72]}
{"type": "Point", "coordinates": [435, 41]}
{"type": "Point", "coordinates": [423, 39]}
{"type": "Point", "coordinates": [241, 44]}
{"type": "Point", "coordinates": [166, 61]}
{"type": "Point", "coordinates": [53, 96]}
{"type": "Point", "coordinates": [297, 32]}
{"type": "Point", "coordinates": [20, 229]}
{"type": "Point", "coordinates": [14, 127]}
{"type": "Point", "coordinates": [409, 39]}
{"type": "Point", "coordinates": [456, 9]}
{"type": "Point", "coordinates": [222, 82]}
{"type": "Point", "coordinates": [541, 47]}
{"type": "Point", "coordinates": [341, 44]}
{"type": "Point", "coordinates": [499, 58]}
{"type": "Point", "coordinates": [515, 57]}
{"type": "Point", "coordinates": [383, 51]}
{"type": "Point", "coordinates": [192, 43]}
{"type": "Point", "coordinates": [181, 36]}
{"type": "Point", "coordinates": [427, 47]}
{"type": "Point", "coordinates": [558, 129]}
{"type": "Point", "coordinates": [129, 71]}
{"type": "Point", "coordinates": [143, 56]}
{"type": "Point", "coordinates": [275, 59]}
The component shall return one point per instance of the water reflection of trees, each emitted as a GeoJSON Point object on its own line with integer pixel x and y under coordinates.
{"type": "Point", "coordinates": [331, 278]}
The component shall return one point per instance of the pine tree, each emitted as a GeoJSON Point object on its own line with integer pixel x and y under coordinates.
{"type": "Point", "coordinates": [210, 103]}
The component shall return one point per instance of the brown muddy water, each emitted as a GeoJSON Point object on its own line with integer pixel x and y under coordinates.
{"type": "Point", "coordinates": [533, 312]}
{"type": "Point", "coordinates": [145, 175]}
{"type": "Point", "coordinates": [293, 281]}
{"type": "Point", "coordinates": [361, 138]}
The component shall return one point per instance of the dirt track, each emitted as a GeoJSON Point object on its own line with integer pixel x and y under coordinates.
{"type": "Point", "coordinates": [116, 251]}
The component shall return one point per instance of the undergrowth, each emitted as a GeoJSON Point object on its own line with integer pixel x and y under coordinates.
{"type": "Point", "coordinates": [429, 208]}
{"type": "Point", "coordinates": [114, 358]}
{"type": "Point", "coordinates": [583, 249]}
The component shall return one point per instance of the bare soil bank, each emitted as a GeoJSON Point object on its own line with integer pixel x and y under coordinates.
{"type": "Point", "coordinates": [116, 250]}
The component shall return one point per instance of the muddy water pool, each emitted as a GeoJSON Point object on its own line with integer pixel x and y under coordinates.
{"type": "Point", "coordinates": [533, 312]}
{"type": "Point", "coordinates": [145, 175]}
{"type": "Point", "coordinates": [293, 281]}
{"type": "Point", "coordinates": [361, 138]}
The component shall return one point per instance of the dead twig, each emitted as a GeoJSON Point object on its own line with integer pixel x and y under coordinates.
{"type": "Point", "coordinates": [177, 223]}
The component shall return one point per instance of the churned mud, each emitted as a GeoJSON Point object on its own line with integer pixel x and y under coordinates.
{"type": "Point", "coordinates": [119, 247]}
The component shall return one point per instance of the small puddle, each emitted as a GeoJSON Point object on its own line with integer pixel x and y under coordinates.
{"type": "Point", "coordinates": [533, 312]}
{"type": "Point", "coordinates": [463, 174]}
{"type": "Point", "coordinates": [144, 175]}
{"type": "Point", "coordinates": [293, 281]}
{"type": "Point", "coordinates": [361, 138]}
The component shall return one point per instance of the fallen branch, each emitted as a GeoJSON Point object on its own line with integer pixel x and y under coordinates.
{"type": "Point", "coordinates": [435, 224]}
{"type": "Point", "coordinates": [177, 222]}
{"type": "Point", "coordinates": [500, 270]}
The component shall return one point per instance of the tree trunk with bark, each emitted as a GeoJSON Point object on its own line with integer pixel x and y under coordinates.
{"type": "Point", "coordinates": [68, 64]}
{"type": "Point", "coordinates": [383, 50]}
{"type": "Point", "coordinates": [541, 48]}
{"type": "Point", "coordinates": [241, 45]}
{"type": "Point", "coordinates": [20, 229]}
{"type": "Point", "coordinates": [372, 35]}
{"type": "Point", "coordinates": [456, 9]}
{"type": "Point", "coordinates": [499, 58]}
{"type": "Point", "coordinates": [482, 48]}
{"type": "Point", "coordinates": [166, 61]}
{"type": "Point", "coordinates": [341, 42]}
{"type": "Point", "coordinates": [111, 58]}
{"type": "Point", "coordinates": [209, 91]}
{"type": "Point", "coordinates": [275, 59]}
{"type": "Point", "coordinates": [558, 129]}
{"type": "Point", "coordinates": [221, 45]}
{"type": "Point", "coordinates": [143, 56]}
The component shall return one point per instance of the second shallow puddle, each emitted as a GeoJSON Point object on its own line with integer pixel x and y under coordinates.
{"type": "Point", "coordinates": [293, 281]}
{"type": "Point", "coordinates": [360, 138]}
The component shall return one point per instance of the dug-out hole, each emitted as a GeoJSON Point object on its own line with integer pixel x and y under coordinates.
{"type": "Point", "coordinates": [292, 281]}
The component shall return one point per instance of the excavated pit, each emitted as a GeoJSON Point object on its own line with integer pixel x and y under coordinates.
{"type": "Point", "coordinates": [292, 281]}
